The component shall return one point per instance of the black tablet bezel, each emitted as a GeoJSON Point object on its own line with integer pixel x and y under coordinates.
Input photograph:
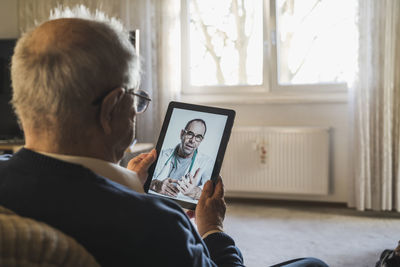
{"type": "Point", "coordinates": [222, 147]}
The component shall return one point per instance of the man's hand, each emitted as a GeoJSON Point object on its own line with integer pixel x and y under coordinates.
{"type": "Point", "coordinates": [165, 187]}
{"type": "Point", "coordinates": [141, 164]}
{"type": "Point", "coordinates": [188, 185]}
{"type": "Point", "coordinates": [211, 208]}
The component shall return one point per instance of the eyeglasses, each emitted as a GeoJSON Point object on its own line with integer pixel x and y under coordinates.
{"type": "Point", "coordinates": [190, 135]}
{"type": "Point", "coordinates": [141, 99]}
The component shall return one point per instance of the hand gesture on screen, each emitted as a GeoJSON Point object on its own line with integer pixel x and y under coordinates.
{"type": "Point", "coordinates": [188, 185]}
{"type": "Point", "coordinates": [166, 187]}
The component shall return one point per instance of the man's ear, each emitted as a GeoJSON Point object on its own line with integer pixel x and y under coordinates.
{"type": "Point", "coordinates": [182, 133]}
{"type": "Point", "coordinates": [107, 107]}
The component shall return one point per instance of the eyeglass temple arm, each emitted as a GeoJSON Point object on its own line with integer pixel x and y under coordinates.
{"type": "Point", "coordinates": [142, 96]}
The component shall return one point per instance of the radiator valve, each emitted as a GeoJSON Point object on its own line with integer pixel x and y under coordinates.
{"type": "Point", "coordinates": [261, 148]}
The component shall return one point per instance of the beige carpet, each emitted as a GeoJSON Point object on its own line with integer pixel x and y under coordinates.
{"type": "Point", "coordinates": [271, 232]}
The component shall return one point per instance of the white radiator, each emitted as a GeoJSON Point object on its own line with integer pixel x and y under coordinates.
{"type": "Point", "coordinates": [292, 160]}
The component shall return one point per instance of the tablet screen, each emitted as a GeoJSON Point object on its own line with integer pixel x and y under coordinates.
{"type": "Point", "coordinates": [190, 144]}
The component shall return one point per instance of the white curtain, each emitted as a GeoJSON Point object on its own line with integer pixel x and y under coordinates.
{"type": "Point", "coordinates": [141, 15]}
{"type": "Point", "coordinates": [376, 100]}
{"type": "Point", "coordinates": [159, 23]}
{"type": "Point", "coordinates": [169, 52]}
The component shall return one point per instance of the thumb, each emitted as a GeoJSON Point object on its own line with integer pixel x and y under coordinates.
{"type": "Point", "coordinates": [148, 159]}
{"type": "Point", "coordinates": [219, 188]}
{"type": "Point", "coordinates": [135, 161]}
{"type": "Point", "coordinates": [195, 176]}
{"type": "Point", "coordinates": [207, 191]}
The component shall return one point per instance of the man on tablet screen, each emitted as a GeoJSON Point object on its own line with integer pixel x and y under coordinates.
{"type": "Point", "coordinates": [184, 169]}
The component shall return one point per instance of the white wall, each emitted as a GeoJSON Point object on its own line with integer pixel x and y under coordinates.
{"type": "Point", "coordinates": [8, 19]}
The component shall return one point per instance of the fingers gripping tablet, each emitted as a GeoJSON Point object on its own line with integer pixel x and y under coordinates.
{"type": "Point", "coordinates": [190, 151]}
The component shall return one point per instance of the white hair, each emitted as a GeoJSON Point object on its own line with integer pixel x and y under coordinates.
{"type": "Point", "coordinates": [82, 12]}
{"type": "Point", "coordinates": [58, 80]}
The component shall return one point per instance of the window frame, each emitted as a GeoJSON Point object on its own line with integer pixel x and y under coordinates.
{"type": "Point", "coordinates": [270, 85]}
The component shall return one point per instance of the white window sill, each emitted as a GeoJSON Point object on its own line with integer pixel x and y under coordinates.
{"type": "Point", "coordinates": [266, 98]}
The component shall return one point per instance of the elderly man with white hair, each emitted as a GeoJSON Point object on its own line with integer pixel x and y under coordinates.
{"type": "Point", "coordinates": [75, 80]}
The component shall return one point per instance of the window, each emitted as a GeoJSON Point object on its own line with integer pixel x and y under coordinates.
{"type": "Point", "coordinates": [268, 45]}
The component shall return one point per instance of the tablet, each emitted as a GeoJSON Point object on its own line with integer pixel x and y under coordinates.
{"type": "Point", "coordinates": [190, 151]}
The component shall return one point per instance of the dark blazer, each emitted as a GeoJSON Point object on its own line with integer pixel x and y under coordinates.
{"type": "Point", "coordinates": [118, 226]}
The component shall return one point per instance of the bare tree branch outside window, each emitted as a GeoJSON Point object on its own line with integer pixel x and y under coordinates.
{"type": "Point", "coordinates": [225, 29]}
{"type": "Point", "coordinates": [316, 42]}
